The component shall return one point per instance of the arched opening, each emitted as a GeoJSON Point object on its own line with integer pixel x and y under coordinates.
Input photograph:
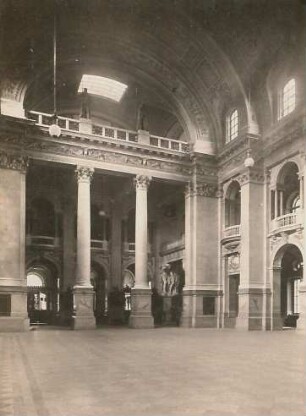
{"type": "Point", "coordinates": [288, 272]}
{"type": "Point", "coordinates": [128, 284]}
{"type": "Point", "coordinates": [233, 205]}
{"type": "Point", "coordinates": [285, 198]}
{"type": "Point", "coordinates": [99, 282]}
{"type": "Point", "coordinates": [43, 293]}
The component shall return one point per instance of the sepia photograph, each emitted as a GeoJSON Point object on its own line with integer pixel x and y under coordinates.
{"type": "Point", "coordinates": [152, 207]}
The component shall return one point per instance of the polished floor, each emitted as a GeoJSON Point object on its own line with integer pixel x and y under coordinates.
{"type": "Point", "coordinates": [166, 371]}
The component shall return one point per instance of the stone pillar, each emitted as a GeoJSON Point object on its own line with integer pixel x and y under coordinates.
{"type": "Point", "coordinates": [83, 290]}
{"type": "Point", "coordinates": [301, 322]}
{"type": "Point", "coordinates": [13, 284]}
{"type": "Point", "coordinates": [69, 246]}
{"type": "Point", "coordinates": [251, 289]}
{"type": "Point", "coordinates": [277, 319]}
{"type": "Point", "coordinates": [141, 316]}
{"type": "Point", "coordinates": [201, 291]}
{"type": "Point", "coordinates": [116, 248]}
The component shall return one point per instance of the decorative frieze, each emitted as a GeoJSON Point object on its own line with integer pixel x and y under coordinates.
{"type": "Point", "coordinates": [201, 189]}
{"type": "Point", "coordinates": [13, 161]}
{"type": "Point", "coordinates": [84, 173]}
{"type": "Point", "coordinates": [174, 164]}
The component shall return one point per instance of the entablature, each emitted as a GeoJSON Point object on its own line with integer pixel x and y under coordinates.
{"type": "Point", "coordinates": [34, 142]}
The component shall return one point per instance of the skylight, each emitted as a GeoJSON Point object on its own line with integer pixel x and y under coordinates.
{"type": "Point", "coordinates": [104, 87]}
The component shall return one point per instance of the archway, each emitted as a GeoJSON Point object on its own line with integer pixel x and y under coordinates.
{"type": "Point", "coordinates": [99, 282]}
{"type": "Point", "coordinates": [43, 293]}
{"type": "Point", "coordinates": [287, 274]}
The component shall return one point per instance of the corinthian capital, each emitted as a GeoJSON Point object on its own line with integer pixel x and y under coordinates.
{"type": "Point", "coordinates": [84, 174]}
{"type": "Point", "coordinates": [142, 181]}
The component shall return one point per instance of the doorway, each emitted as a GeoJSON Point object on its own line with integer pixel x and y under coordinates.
{"type": "Point", "coordinates": [288, 272]}
{"type": "Point", "coordinates": [43, 300]}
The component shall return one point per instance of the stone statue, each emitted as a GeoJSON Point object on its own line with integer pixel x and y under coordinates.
{"type": "Point", "coordinates": [85, 104]}
{"type": "Point", "coordinates": [142, 121]}
{"type": "Point", "coordinates": [169, 281]}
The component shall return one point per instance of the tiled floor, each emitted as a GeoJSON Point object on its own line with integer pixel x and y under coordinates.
{"type": "Point", "coordinates": [166, 371]}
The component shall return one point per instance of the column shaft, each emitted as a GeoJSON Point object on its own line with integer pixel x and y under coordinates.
{"type": "Point", "coordinates": [83, 233]}
{"type": "Point", "coordinates": [141, 238]}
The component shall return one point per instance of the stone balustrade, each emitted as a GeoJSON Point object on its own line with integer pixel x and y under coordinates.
{"type": "Point", "coordinates": [287, 221]}
{"type": "Point", "coordinates": [232, 231]}
{"type": "Point", "coordinates": [107, 132]}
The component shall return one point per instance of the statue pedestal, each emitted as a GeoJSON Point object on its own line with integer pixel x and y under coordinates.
{"type": "Point", "coordinates": [171, 309]}
{"type": "Point", "coordinates": [167, 310]}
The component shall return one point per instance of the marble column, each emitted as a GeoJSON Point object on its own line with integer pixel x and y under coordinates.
{"type": "Point", "coordinates": [251, 289]}
{"type": "Point", "coordinates": [13, 284]}
{"type": "Point", "coordinates": [201, 305]}
{"type": "Point", "coordinates": [83, 290]}
{"type": "Point", "coordinates": [141, 316]}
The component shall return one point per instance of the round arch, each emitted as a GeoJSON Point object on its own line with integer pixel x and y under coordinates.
{"type": "Point", "coordinates": [43, 301]}
{"type": "Point", "coordinates": [287, 274]}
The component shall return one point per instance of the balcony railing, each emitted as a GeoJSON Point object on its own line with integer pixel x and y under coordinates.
{"type": "Point", "coordinates": [102, 132]}
{"type": "Point", "coordinates": [174, 245]}
{"type": "Point", "coordinates": [42, 240]}
{"type": "Point", "coordinates": [100, 245]}
{"type": "Point", "coordinates": [130, 247]}
{"type": "Point", "coordinates": [287, 221]}
{"type": "Point", "coordinates": [232, 231]}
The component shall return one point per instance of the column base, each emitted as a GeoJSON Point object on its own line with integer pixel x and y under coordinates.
{"type": "Point", "coordinates": [277, 322]}
{"type": "Point", "coordinates": [14, 324]}
{"type": "Point", "coordinates": [301, 322]}
{"type": "Point", "coordinates": [83, 317]}
{"type": "Point", "coordinates": [200, 309]}
{"type": "Point", "coordinates": [14, 308]}
{"type": "Point", "coordinates": [250, 317]}
{"type": "Point", "coordinates": [141, 315]}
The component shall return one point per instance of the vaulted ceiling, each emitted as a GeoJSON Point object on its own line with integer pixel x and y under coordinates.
{"type": "Point", "coordinates": [184, 59]}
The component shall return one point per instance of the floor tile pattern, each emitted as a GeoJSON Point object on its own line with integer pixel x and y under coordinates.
{"type": "Point", "coordinates": [165, 371]}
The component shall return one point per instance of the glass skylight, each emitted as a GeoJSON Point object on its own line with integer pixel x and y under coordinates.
{"type": "Point", "coordinates": [104, 87]}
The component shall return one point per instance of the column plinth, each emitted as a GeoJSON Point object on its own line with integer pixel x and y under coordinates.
{"type": "Point", "coordinates": [141, 315]}
{"type": "Point", "coordinates": [83, 317]}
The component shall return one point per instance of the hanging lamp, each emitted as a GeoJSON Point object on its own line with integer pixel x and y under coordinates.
{"type": "Point", "coordinates": [54, 129]}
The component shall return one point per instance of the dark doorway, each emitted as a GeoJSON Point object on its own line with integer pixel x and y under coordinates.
{"type": "Point", "coordinates": [43, 293]}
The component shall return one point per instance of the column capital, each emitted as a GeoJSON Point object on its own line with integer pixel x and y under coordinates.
{"type": "Point", "coordinates": [84, 173]}
{"type": "Point", "coordinates": [13, 162]}
{"type": "Point", "coordinates": [142, 182]}
{"type": "Point", "coordinates": [251, 175]}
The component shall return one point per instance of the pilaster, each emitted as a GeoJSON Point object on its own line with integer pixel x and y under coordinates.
{"type": "Point", "coordinates": [13, 285]}
{"type": "Point", "coordinates": [251, 290]}
{"type": "Point", "coordinates": [201, 306]}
